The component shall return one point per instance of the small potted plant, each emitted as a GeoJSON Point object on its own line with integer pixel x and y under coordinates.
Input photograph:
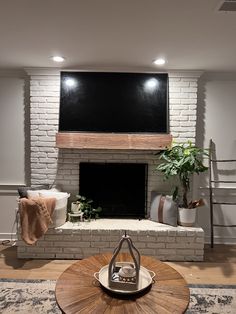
{"type": "Point", "coordinates": [85, 206]}
{"type": "Point", "coordinates": [75, 207]}
{"type": "Point", "coordinates": [181, 162]}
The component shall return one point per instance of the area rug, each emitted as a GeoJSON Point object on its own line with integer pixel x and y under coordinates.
{"type": "Point", "coordinates": [37, 296]}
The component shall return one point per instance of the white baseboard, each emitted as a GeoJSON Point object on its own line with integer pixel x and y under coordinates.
{"type": "Point", "coordinates": [220, 240]}
{"type": "Point", "coordinates": [8, 236]}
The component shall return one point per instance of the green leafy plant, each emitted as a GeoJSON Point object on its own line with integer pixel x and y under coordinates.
{"type": "Point", "coordinates": [87, 208]}
{"type": "Point", "coordinates": [182, 161]}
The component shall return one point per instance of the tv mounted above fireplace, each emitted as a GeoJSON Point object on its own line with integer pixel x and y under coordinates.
{"type": "Point", "coordinates": [111, 102]}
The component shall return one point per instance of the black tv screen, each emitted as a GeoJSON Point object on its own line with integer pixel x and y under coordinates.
{"type": "Point", "coordinates": [113, 102]}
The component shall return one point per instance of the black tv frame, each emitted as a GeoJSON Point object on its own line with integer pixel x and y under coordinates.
{"type": "Point", "coordinates": [66, 74]}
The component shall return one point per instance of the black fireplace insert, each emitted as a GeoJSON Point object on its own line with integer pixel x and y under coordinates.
{"type": "Point", "coordinates": [119, 188]}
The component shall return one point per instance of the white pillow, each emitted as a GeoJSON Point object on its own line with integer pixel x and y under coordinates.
{"type": "Point", "coordinates": [32, 193]}
{"type": "Point", "coordinates": [36, 193]}
{"type": "Point", "coordinates": [163, 209]}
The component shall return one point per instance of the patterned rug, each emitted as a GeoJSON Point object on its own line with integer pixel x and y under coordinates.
{"type": "Point", "coordinates": [37, 296]}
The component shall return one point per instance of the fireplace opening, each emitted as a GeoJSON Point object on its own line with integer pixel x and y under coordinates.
{"type": "Point", "coordinates": [119, 188]}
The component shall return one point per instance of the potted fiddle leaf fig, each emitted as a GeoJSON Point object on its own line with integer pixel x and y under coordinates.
{"type": "Point", "coordinates": [182, 161]}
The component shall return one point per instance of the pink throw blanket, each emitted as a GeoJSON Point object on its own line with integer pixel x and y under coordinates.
{"type": "Point", "coordinates": [35, 217]}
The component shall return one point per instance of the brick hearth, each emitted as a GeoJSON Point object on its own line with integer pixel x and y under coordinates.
{"type": "Point", "coordinates": [73, 241]}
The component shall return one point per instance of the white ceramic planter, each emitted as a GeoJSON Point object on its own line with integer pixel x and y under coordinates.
{"type": "Point", "coordinates": [75, 208]}
{"type": "Point", "coordinates": [187, 216]}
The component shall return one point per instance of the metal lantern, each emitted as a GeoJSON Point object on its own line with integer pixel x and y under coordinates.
{"type": "Point", "coordinates": [124, 275]}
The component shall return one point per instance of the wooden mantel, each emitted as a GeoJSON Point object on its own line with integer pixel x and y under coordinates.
{"type": "Point", "coordinates": [113, 141]}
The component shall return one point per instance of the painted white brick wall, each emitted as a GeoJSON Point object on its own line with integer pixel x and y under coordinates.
{"type": "Point", "coordinates": [49, 165]}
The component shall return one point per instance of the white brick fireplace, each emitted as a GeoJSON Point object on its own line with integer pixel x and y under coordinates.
{"type": "Point", "coordinates": [51, 165]}
{"type": "Point", "coordinates": [61, 166]}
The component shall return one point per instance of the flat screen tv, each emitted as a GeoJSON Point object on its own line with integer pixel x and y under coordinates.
{"type": "Point", "coordinates": [113, 102]}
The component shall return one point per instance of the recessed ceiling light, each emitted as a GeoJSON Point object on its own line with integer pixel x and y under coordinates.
{"type": "Point", "coordinates": [159, 61]}
{"type": "Point", "coordinates": [58, 58]}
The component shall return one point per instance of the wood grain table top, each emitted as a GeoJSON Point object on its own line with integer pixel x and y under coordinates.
{"type": "Point", "coordinates": [77, 291]}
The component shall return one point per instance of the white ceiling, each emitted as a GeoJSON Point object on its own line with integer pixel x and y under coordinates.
{"type": "Point", "coordinates": [117, 34]}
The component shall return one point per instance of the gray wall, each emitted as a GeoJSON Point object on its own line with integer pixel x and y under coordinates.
{"type": "Point", "coordinates": [12, 146]}
{"type": "Point", "coordinates": [216, 120]}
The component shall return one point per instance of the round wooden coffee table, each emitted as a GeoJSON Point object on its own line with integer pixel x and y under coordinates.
{"type": "Point", "coordinates": [77, 291]}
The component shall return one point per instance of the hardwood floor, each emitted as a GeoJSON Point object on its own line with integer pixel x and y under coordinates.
{"type": "Point", "coordinates": [219, 266]}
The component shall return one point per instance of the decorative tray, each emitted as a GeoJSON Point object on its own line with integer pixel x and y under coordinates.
{"type": "Point", "coordinates": [145, 278]}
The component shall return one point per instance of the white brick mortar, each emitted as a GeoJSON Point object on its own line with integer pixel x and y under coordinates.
{"type": "Point", "coordinates": [72, 241]}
